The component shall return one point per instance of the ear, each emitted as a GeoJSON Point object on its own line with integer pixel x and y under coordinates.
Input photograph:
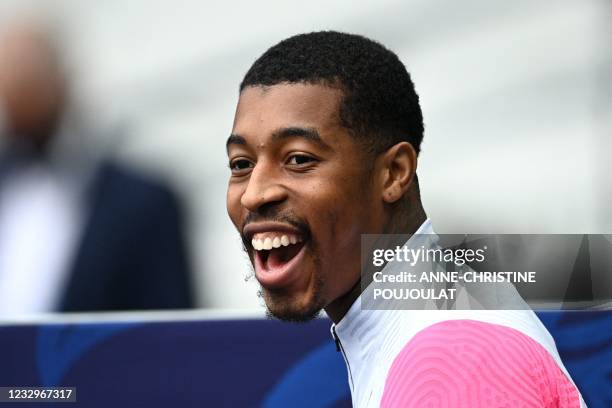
{"type": "Point", "coordinates": [398, 169]}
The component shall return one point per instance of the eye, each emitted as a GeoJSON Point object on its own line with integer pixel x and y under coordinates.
{"type": "Point", "coordinates": [240, 165]}
{"type": "Point", "coordinates": [300, 159]}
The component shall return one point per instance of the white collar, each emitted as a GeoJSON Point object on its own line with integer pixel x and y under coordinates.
{"type": "Point", "coordinates": [358, 330]}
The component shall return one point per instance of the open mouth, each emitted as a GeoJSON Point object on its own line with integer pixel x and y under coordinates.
{"type": "Point", "coordinates": [277, 256]}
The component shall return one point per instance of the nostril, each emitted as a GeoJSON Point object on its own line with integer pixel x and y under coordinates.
{"type": "Point", "coordinates": [261, 203]}
{"type": "Point", "coordinates": [251, 202]}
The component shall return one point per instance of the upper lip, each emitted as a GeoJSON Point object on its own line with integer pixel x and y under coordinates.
{"type": "Point", "coordinates": [255, 228]}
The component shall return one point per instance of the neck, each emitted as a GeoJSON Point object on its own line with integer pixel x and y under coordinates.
{"type": "Point", "coordinates": [340, 306]}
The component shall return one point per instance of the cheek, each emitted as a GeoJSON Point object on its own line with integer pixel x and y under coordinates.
{"type": "Point", "coordinates": [347, 212]}
{"type": "Point", "coordinates": [233, 203]}
{"type": "Point", "coordinates": [336, 214]}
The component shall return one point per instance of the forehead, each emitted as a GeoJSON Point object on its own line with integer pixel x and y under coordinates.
{"type": "Point", "coordinates": [22, 40]}
{"type": "Point", "coordinates": [25, 53]}
{"type": "Point", "coordinates": [277, 106]}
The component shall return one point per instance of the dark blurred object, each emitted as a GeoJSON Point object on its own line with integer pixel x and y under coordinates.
{"type": "Point", "coordinates": [78, 232]}
{"type": "Point", "coordinates": [132, 255]}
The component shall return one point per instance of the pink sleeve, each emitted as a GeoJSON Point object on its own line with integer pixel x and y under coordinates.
{"type": "Point", "coordinates": [466, 363]}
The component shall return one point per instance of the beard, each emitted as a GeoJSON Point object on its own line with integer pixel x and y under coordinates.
{"type": "Point", "coordinates": [285, 307]}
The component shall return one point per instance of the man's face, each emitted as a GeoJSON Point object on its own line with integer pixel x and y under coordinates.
{"type": "Point", "coordinates": [32, 90]}
{"type": "Point", "coordinates": [300, 195]}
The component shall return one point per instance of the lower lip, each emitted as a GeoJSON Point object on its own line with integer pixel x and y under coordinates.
{"type": "Point", "coordinates": [281, 276]}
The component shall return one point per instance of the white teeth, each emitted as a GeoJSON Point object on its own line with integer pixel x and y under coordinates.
{"type": "Point", "coordinates": [267, 245]}
{"type": "Point", "coordinates": [257, 244]}
{"type": "Point", "coordinates": [276, 242]}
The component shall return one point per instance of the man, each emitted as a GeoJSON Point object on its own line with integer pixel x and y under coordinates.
{"type": "Point", "coordinates": [77, 232]}
{"type": "Point", "coordinates": [324, 149]}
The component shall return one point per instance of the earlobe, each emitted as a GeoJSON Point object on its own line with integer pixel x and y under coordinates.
{"type": "Point", "coordinates": [392, 194]}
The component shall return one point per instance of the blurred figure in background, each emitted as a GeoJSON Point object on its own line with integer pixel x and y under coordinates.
{"type": "Point", "coordinates": [77, 232]}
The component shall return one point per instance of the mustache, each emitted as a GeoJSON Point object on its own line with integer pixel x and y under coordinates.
{"type": "Point", "coordinates": [286, 217]}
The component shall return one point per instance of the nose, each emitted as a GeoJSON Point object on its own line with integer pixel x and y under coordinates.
{"type": "Point", "coordinates": [263, 188]}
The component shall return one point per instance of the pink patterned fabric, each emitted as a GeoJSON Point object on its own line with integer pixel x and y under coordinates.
{"type": "Point", "coordinates": [467, 363]}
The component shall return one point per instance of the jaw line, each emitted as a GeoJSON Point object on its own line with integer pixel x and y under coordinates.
{"type": "Point", "coordinates": [285, 312]}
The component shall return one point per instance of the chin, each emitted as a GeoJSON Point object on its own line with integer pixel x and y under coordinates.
{"type": "Point", "coordinates": [291, 309]}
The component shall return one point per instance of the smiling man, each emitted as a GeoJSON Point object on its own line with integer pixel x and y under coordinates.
{"type": "Point", "coordinates": [299, 193]}
{"type": "Point", "coordinates": [324, 149]}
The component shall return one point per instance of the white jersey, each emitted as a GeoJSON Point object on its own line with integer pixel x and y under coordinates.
{"type": "Point", "coordinates": [451, 357]}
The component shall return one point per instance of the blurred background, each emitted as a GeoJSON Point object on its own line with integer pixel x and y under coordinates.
{"type": "Point", "coordinates": [517, 100]}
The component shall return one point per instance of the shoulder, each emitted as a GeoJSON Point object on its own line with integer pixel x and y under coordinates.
{"type": "Point", "coordinates": [473, 363]}
{"type": "Point", "coordinates": [120, 187]}
{"type": "Point", "coordinates": [118, 176]}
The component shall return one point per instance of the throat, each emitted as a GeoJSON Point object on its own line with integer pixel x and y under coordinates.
{"type": "Point", "coordinates": [340, 306]}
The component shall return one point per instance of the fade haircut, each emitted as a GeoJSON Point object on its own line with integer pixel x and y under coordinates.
{"type": "Point", "coordinates": [380, 106]}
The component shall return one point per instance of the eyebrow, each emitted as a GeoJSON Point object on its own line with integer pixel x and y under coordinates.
{"type": "Point", "coordinates": [310, 134]}
{"type": "Point", "coordinates": [234, 140]}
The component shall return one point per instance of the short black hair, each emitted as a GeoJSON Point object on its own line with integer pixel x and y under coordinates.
{"type": "Point", "coordinates": [380, 104]}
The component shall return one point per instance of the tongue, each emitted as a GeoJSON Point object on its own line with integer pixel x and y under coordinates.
{"type": "Point", "coordinates": [280, 256]}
